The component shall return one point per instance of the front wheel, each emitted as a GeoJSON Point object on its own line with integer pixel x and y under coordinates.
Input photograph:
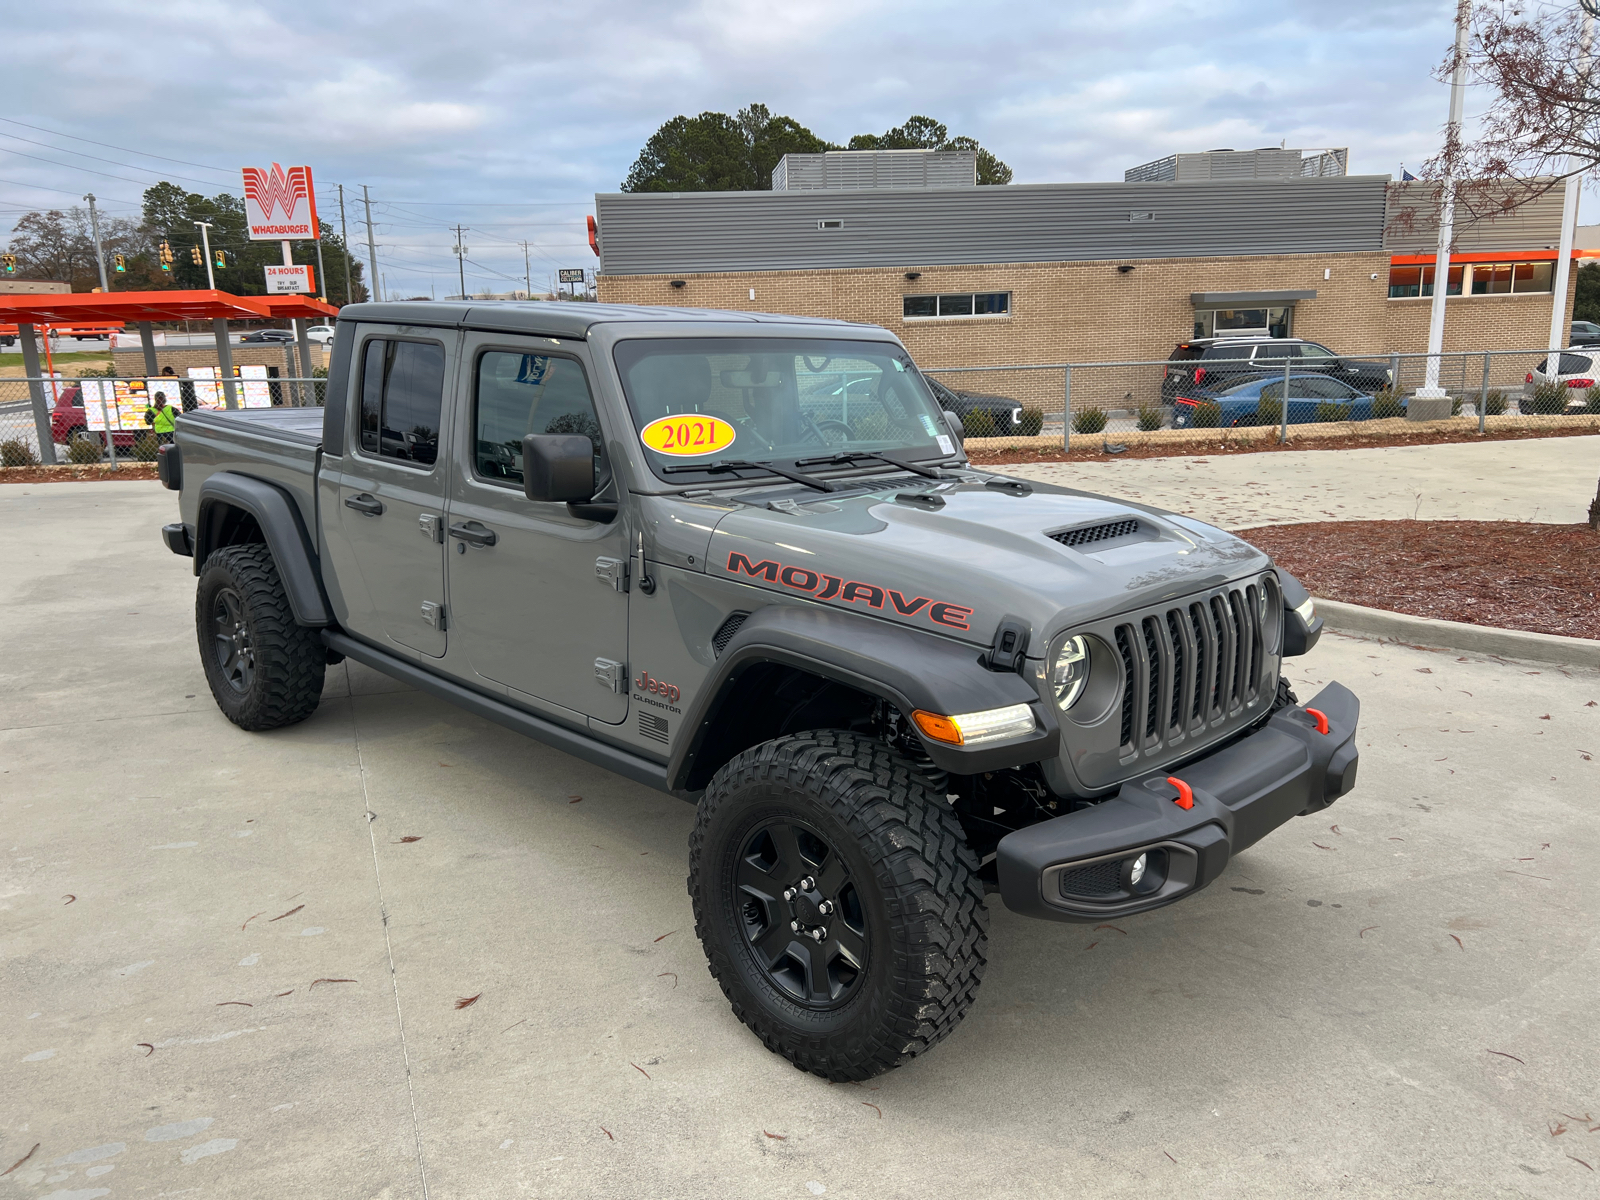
{"type": "Point", "coordinates": [264, 670]}
{"type": "Point", "coordinates": [837, 901]}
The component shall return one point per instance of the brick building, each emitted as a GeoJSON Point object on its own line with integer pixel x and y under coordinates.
{"type": "Point", "coordinates": [1047, 273]}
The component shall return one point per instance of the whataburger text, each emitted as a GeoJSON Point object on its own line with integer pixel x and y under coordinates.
{"type": "Point", "coordinates": [822, 586]}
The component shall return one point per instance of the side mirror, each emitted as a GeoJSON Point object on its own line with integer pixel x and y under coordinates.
{"type": "Point", "coordinates": [958, 428]}
{"type": "Point", "coordinates": [557, 467]}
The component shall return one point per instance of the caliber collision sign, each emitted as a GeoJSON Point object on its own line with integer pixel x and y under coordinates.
{"type": "Point", "coordinates": [280, 205]}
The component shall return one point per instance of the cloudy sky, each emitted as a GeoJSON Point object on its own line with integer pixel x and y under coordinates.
{"type": "Point", "coordinates": [508, 117]}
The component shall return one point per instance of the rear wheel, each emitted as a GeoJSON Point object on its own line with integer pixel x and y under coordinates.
{"type": "Point", "coordinates": [837, 901]}
{"type": "Point", "coordinates": [264, 670]}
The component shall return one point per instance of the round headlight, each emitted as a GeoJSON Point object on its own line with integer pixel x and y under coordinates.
{"type": "Point", "coordinates": [1069, 672]}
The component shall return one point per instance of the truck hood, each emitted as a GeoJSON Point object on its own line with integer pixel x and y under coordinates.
{"type": "Point", "coordinates": [958, 558]}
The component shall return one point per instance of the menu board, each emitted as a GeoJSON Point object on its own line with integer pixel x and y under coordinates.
{"type": "Point", "coordinates": [204, 382]}
{"type": "Point", "coordinates": [123, 402]}
{"type": "Point", "coordinates": [257, 393]}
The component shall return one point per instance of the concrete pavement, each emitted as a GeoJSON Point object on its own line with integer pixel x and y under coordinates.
{"type": "Point", "coordinates": [227, 968]}
{"type": "Point", "coordinates": [1541, 479]}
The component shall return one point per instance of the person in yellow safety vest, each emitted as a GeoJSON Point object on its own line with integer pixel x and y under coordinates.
{"type": "Point", "coordinates": [162, 418]}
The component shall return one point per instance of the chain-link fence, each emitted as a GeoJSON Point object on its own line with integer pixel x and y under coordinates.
{"type": "Point", "coordinates": [1242, 387]}
{"type": "Point", "coordinates": [95, 418]}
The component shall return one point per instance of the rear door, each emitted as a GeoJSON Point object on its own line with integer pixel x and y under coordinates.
{"type": "Point", "coordinates": [390, 514]}
{"type": "Point", "coordinates": [536, 593]}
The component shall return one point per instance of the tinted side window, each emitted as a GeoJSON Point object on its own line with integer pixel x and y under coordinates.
{"type": "Point", "coordinates": [402, 395]}
{"type": "Point", "coordinates": [1277, 354]}
{"type": "Point", "coordinates": [1237, 352]}
{"type": "Point", "coordinates": [1574, 364]}
{"type": "Point", "coordinates": [519, 394]}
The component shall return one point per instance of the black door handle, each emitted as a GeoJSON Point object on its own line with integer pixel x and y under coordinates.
{"type": "Point", "coordinates": [474, 533]}
{"type": "Point", "coordinates": [370, 505]}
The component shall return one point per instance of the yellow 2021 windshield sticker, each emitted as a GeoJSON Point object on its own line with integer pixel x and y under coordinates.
{"type": "Point", "coordinates": [688, 434]}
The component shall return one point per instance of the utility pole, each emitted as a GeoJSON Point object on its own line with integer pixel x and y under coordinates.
{"type": "Point", "coordinates": [1560, 333]}
{"type": "Point", "coordinates": [461, 262]}
{"type": "Point", "coordinates": [99, 254]}
{"type": "Point", "coordinates": [322, 275]}
{"type": "Point", "coordinates": [372, 249]}
{"type": "Point", "coordinates": [1430, 389]}
{"type": "Point", "coordinates": [205, 239]}
{"type": "Point", "coordinates": [344, 236]}
{"type": "Point", "coordinates": [527, 270]}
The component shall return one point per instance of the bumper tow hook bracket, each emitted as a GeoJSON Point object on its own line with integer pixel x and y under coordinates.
{"type": "Point", "coordinates": [1185, 797]}
{"type": "Point", "coordinates": [1321, 719]}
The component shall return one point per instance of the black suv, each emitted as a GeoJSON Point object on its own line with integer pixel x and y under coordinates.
{"type": "Point", "coordinates": [1203, 362]}
{"type": "Point", "coordinates": [983, 416]}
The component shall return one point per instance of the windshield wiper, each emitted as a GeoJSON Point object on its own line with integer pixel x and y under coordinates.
{"type": "Point", "coordinates": [739, 464]}
{"type": "Point", "coordinates": [841, 459]}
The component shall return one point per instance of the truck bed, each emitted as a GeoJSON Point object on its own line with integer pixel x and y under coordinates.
{"type": "Point", "coordinates": [280, 445]}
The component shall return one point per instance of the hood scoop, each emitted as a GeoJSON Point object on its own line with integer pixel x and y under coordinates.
{"type": "Point", "coordinates": [1098, 536]}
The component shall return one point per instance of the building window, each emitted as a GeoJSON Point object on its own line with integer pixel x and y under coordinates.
{"type": "Point", "coordinates": [1473, 279]}
{"type": "Point", "coordinates": [1242, 322]}
{"type": "Point", "coordinates": [957, 304]}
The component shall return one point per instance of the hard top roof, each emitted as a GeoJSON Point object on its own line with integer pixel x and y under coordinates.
{"type": "Point", "coordinates": [563, 318]}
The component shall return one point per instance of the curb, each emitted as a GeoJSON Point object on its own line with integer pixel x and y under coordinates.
{"type": "Point", "coordinates": [1456, 635]}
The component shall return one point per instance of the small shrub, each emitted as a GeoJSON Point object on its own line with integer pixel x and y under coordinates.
{"type": "Point", "coordinates": [17, 453]}
{"type": "Point", "coordinates": [321, 387]}
{"type": "Point", "coordinates": [145, 447]}
{"type": "Point", "coordinates": [1206, 415]}
{"type": "Point", "coordinates": [1032, 422]}
{"type": "Point", "coordinates": [1494, 403]}
{"type": "Point", "coordinates": [1387, 404]}
{"type": "Point", "coordinates": [1150, 418]}
{"type": "Point", "coordinates": [1591, 400]}
{"type": "Point", "coordinates": [1549, 399]}
{"type": "Point", "coordinates": [1268, 411]}
{"type": "Point", "coordinates": [107, 372]}
{"type": "Point", "coordinates": [1088, 420]}
{"type": "Point", "coordinates": [85, 450]}
{"type": "Point", "coordinates": [979, 423]}
{"type": "Point", "coordinates": [1329, 410]}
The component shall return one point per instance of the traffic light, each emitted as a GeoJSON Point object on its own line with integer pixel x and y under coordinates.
{"type": "Point", "coordinates": [9, 262]}
{"type": "Point", "coordinates": [198, 258]}
{"type": "Point", "coordinates": [220, 257]}
{"type": "Point", "coordinates": [121, 261]}
{"type": "Point", "coordinates": [165, 255]}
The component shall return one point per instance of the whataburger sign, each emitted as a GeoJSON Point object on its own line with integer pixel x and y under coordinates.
{"type": "Point", "coordinates": [280, 205]}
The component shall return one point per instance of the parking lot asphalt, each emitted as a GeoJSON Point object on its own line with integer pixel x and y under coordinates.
{"type": "Point", "coordinates": [240, 965]}
{"type": "Point", "coordinates": [1541, 479]}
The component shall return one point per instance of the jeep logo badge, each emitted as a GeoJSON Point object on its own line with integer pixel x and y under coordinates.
{"type": "Point", "coordinates": [667, 691]}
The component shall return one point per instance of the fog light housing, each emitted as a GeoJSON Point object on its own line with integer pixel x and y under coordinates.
{"type": "Point", "coordinates": [1136, 871]}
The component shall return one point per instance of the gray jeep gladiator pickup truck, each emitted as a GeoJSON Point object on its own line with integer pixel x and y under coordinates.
{"type": "Point", "coordinates": [742, 558]}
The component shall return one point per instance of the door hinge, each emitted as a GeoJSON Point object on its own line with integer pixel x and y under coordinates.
{"type": "Point", "coordinates": [432, 526]}
{"type": "Point", "coordinates": [433, 614]}
{"type": "Point", "coordinates": [609, 673]}
{"type": "Point", "coordinates": [613, 571]}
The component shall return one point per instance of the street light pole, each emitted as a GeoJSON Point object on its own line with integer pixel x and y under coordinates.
{"type": "Point", "coordinates": [1447, 217]}
{"type": "Point", "coordinates": [1560, 334]}
{"type": "Point", "coordinates": [205, 240]}
{"type": "Point", "coordinates": [99, 254]}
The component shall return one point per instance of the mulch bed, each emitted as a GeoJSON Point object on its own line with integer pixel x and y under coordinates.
{"type": "Point", "coordinates": [1510, 574]}
{"type": "Point", "coordinates": [88, 473]}
{"type": "Point", "coordinates": [1091, 447]}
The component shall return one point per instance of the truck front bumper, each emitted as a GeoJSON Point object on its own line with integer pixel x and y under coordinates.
{"type": "Point", "coordinates": [1141, 849]}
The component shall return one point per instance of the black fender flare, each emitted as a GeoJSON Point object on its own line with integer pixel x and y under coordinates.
{"type": "Point", "coordinates": [279, 519]}
{"type": "Point", "coordinates": [910, 669]}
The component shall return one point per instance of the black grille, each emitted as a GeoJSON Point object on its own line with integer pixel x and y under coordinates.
{"type": "Point", "coordinates": [725, 632]}
{"type": "Point", "coordinates": [652, 726]}
{"type": "Point", "coordinates": [1096, 533]}
{"type": "Point", "coordinates": [1102, 879]}
{"type": "Point", "coordinates": [1186, 666]}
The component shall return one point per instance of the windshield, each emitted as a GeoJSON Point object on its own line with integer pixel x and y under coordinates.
{"type": "Point", "coordinates": [699, 401]}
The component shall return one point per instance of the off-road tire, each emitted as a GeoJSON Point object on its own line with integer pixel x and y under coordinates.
{"type": "Point", "coordinates": [288, 661]}
{"type": "Point", "coordinates": [917, 879]}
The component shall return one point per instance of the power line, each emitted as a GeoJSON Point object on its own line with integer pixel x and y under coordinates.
{"type": "Point", "coordinates": [70, 167]}
{"type": "Point", "coordinates": [64, 191]}
{"type": "Point", "coordinates": [109, 146]}
{"type": "Point", "coordinates": [113, 162]}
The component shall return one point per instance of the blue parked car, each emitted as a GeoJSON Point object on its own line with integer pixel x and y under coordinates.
{"type": "Point", "coordinates": [1240, 402]}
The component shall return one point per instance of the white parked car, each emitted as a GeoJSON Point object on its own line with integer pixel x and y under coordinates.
{"type": "Point", "coordinates": [1575, 370]}
{"type": "Point", "coordinates": [321, 334]}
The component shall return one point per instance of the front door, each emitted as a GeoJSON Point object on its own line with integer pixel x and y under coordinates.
{"type": "Point", "coordinates": [391, 493]}
{"type": "Point", "coordinates": [535, 592]}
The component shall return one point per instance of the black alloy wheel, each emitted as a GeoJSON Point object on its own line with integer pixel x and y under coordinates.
{"type": "Point", "coordinates": [803, 921]}
{"type": "Point", "coordinates": [236, 656]}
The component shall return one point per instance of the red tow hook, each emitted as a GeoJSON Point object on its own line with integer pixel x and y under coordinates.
{"type": "Point", "coordinates": [1185, 792]}
{"type": "Point", "coordinates": [1321, 719]}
